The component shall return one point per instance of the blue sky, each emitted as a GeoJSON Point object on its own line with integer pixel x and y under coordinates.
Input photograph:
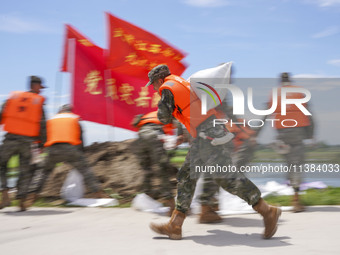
{"type": "Point", "coordinates": [261, 37]}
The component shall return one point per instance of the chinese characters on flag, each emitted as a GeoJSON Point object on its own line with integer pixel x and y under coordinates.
{"type": "Point", "coordinates": [103, 96]}
{"type": "Point", "coordinates": [109, 85]}
{"type": "Point", "coordinates": [135, 51]}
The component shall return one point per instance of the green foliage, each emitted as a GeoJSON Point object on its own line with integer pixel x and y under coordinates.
{"type": "Point", "coordinates": [328, 196]}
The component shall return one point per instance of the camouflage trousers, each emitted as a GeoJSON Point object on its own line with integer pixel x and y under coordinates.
{"type": "Point", "coordinates": [296, 155]}
{"type": "Point", "coordinates": [67, 153]}
{"type": "Point", "coordinates": [241, 157]}
{"type": "Point", "coordinates": [16, 146]}
{"type": "Point", "coordinates": [151, 154]}
{"type": "Point", "coordinates": [203, 154]}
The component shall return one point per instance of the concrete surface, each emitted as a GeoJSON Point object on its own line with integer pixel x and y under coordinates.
{"type": "Point", "coordinates": [49, 231]}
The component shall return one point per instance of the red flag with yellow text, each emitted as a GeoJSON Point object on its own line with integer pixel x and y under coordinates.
{"type": "Point", "coordinates": [104, 96]}
{"type": "Point", "coordinates": [72, 33]}
{"type": "Point", "coordinates": [135, 51]}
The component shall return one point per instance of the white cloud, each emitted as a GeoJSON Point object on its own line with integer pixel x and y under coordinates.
{"type": "Point", "coordinates": [15, 24]}
{"type": "Point", "coordinates": [334, 62]}
{"type": "Point", "coordinates": [310, 76]}
{"type": "Point", "coordinates": [324, 3]}
{"type": "Point", "coordinates": [327, 32]}
{"type": "Point", "coordinates": [206, 3]}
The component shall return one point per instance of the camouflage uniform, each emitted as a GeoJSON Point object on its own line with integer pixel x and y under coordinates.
{"type": "Point", "coordinates": [21, 145]}
{"type": "Point", "coordinates": [241, 157]}
{"type": "Point", "coordinates": [67, 153]}
{"type": "Point", "coordinates": [203, 153]}
{"type": "Point", "coordinates": [294, 138]}
{"type": "Point", "coordinates": [296, 156]}
{"type": "Point", "coordinates": [151, 153]}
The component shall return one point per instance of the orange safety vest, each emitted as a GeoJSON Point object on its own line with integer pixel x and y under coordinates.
{"type": "Point", "coordinates": [292, 111]}
{"type": "Point", "coordinates": [63, 128]}
{"type": "Point", "coordinates": [22, 113]}
{"type": "Point", "coordinates": [151, 117]}
{"type": "Point", "coordinates": [187, 103]}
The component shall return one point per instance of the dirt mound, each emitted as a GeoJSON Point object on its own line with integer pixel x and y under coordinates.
{"type": "Point", "coordinates": [116, 166]}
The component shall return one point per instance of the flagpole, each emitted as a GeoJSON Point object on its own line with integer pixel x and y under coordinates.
{"type": "Point", "coordinates": [72, 65]}
{"type": "Point", "coordinates": [109, 112]}
{"type": "Point", "coordinates": [107, 75]}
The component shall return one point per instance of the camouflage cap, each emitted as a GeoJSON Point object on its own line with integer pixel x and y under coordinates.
{"type": "Point", "coordinates": [36, 79]}
{"type": "Point", "coordinates": [65, 108]}
{"type": "Point", "coordinates": [285, 77]}
{"type": "Point", "coordinates": [158, 72]}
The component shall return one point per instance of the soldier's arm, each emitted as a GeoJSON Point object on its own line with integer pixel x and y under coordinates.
{"type": "Point", "coordinates": [42, 134]}
{"type": "Point", "coordinates": [179, 127]}
{"type": "Point", "coordinates": [180, 135]}
{"type": "Point", "coordinates": [166, 106]}
{"type": "Point", "coordinates": [2, 110]}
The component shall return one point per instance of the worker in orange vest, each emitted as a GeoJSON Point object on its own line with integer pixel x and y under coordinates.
{"type": "Point", "coordinates": [292, 138]}
{"type": "Point", "coordinates": [65, 144]}
{"type": "Point", "coordinates": [151, 153]}
{"type": "Point", "coordinates": [23, 119]}
{"type": "Point", "coordinates": [207, 149]}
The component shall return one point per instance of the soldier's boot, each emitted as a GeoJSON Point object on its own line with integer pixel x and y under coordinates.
{"type": "Point", "coordinates": [270, 215]}
{"type": "Point", "coordinates": [171, 204]}
{"type": "Point", "coordinates": [173, 229]}
{"type": "Point", "coordinates": [209, 215]}
{"type": "Point", "coordinates": [297, 206]}
{"type": "Point", "coordinates": [5, 200]}
{"type": "Point", "coordinates": [31, 198]}
{"type": "Point", "coordinates": [215, 205]}
{"type": "Point", "coordinates": [22, 205]}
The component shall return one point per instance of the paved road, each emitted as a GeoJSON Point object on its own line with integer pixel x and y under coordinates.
{"type": "Point", "coordinates": [97, 231]}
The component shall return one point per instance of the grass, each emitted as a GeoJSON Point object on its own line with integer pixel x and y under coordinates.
{"type": "Point", "coordinates": [328, 196]}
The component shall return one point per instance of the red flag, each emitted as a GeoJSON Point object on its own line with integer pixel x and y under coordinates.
{"type": "Point", "coordinates": [135, 51]}
{"type": "Point", "coordinates": [108, 97]}
{"type": "Point", "coordinates": [72, 33]}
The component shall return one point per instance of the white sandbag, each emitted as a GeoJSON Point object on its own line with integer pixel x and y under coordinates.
{"type": "Point", "coordinates": [73, 187]}
{"type": "Point", "coordinates": [210, 84]}
{"type": "Point", "coordinates": [143, 202]}
{"type": "Point", "coordinates": [95, 202]}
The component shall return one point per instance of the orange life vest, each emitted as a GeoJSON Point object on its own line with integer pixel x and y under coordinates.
{"type": "Point", "coordinates": [63, 128]}
{"type": "Point", "coordinates": [292, 111]}
{"type": "Point", "coordinates": [188, 105]}
{"type": "Point", "coordinates": [22, 113]}
{"type": "Point", "coordinates": [151, 117]}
